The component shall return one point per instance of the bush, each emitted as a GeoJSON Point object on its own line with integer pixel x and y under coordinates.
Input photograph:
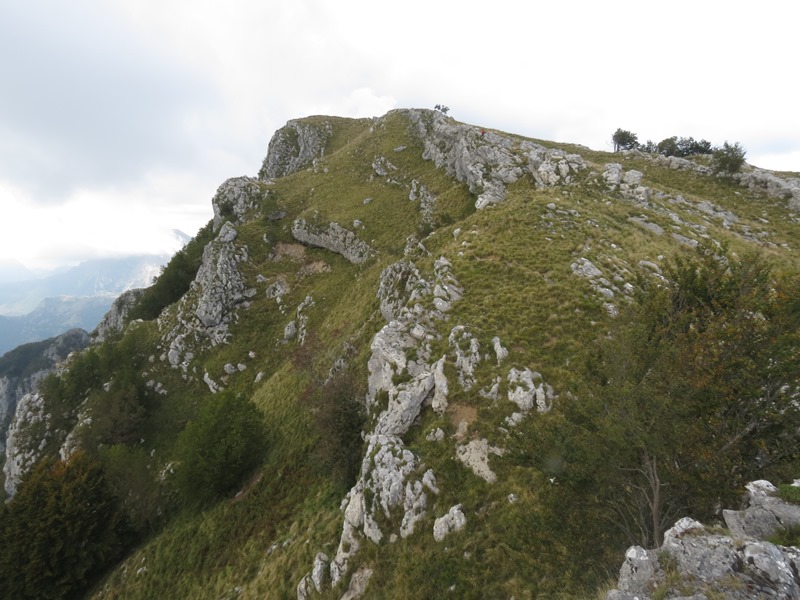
{"type": "Point", "coordinates": [695, 379]}
{"type": "Point", "coordinates": [132, 477]}
{"type": "Point", "coordinates": [339, 417]}
{"type": "Point", "coordinates": [219, 448]}
{"type": "Point", "coordinates": [59, 531]}
{"type": "Point", "coordinates": [789, 493]}
{"type": "Point", "coordinates": [728, 159]}
{"type": "Point", "coordinates": [683, 147]}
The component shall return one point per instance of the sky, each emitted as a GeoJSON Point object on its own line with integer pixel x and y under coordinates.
{"type": "Point", "coordinates": [120, 118]}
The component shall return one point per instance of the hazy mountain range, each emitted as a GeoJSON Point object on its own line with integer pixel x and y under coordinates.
{"type": "Point", "coordinates": [33, 309]}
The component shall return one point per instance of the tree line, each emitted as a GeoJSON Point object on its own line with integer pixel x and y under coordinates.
{"type": "Point", "coordinates": [728, 158]}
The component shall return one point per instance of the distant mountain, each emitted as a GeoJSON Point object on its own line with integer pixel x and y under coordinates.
{"type": "Point", "coordinates": [23, 368]}
{"type": "Point", "coordinates": [100, 277]}
{"type": "Point", "coordinates": [33, 308]}
{"type": "Point", "coordinates": [12, 270]}
{"type": "Point", "coordinates": [53, 317]}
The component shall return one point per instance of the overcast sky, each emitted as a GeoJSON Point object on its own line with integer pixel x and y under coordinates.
{"type": "Point", "coordinates": [120, 118]}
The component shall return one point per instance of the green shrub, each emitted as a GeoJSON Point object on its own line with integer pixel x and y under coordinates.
{"type": "Point", "coordinates": [59, 531]}
{"type": "Point", "coordinates": [787, 536]}
{"type": "Point", "coordinates": [219, 448]}
{"type": "Point", "coordinates": [790, 493]}
{"type": "Point", "coordinates": [339, 417]}
{"type": "Point", "coordinates": [728, 159]}
{"type": "Point", "coordinates": [624, 140]}
{"type": "Point", "coordinates": [133, 479]}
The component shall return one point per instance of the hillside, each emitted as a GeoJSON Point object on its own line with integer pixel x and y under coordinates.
{"type": "Point", "coordinates": [408, 302]}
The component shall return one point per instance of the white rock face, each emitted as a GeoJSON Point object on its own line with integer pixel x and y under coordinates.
{"type": "Point", "coordinates": [335, 238]}
{"type": "Point", "coordinates": [527, 390]}
{"type": "Point", "coordinates": [293, 147]}
{"type": "Point", "coordinates": [235, 199]}
{"type": "Point", "coordinates": [453, 521]}
{"type": "Point", "coordinates": [114, 319]}
{"type": "Point", "coordinates": [13, 388]}
{"type": "Point", "coordinates": [774, 186]}
{"type": "Point", "coordinates": [475, 455]}
{"type": "Point", "coordinates": [467, 352]}
{"type": "Point", "coordinates": [486, 161]}
{"type": "Point", "coordinates": [740, 568]}
{"type": "Point", "coordinates": [499, 350]}
{"type": "Point", "coordinates": [392, 482]}
{"type": "Point", "coordinates": [22, 449]}
{"type": "Point", "coordinates": [218, 291]}
{"type": "Point", "coordinates": [358, 584]}
{"type": "Point", "coordinates": [765, 515]}
{"type": "Point", "coordinates": [427, 201]}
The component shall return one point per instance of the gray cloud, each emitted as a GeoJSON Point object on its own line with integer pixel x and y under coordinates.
{"type": "Point", "coordinates": [86, 101]}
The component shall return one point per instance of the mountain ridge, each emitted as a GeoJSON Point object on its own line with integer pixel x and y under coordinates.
{"type": "Point", "coordinates": [488, 261]}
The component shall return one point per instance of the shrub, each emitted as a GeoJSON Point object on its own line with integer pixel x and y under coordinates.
{"type": "Point", "coordinates": [682, 147]}
{"type": "Point", "coordinates": [175, 278]}
{"type": "Point", "coordinates": [219, 448]}
{"type": "Point", "coordinates": [133, 479]}
{"type": "Point", "coordinates": [59, 531]}
{"type": "Point", "coordinates": [728, 159]}
{"type": "Point", "coordinates": [339, 417]}
{"type": "Point", "coordinates": [668, 146]}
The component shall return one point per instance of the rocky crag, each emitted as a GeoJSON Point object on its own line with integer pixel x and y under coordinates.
{"type": "Point", "coordinates": [21, 371]}
{"type": "Point", "coordinates": [702, 563]}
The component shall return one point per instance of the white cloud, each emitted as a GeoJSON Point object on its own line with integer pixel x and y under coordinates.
{"type": "Point", "coordinates": [153, 103]}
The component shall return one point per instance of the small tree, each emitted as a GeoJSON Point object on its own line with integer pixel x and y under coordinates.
{"type": "Point", "coordinates": [690, 146]}
{"type": "Point", "coordinates": [668, 146]}
{"type": "Point", "coordinates": [728, 159]}
{"type": "Point", "coordinates": [442, 108]}
{"type": "Point", "coordinates": [219, 448]}
{"type": "Point", "coordinates": [624, 140]}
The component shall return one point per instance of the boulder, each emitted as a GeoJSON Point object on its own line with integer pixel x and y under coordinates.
{"type": "Point", "coordinates": [702, 564]}
{"type": "Point", "coordinates": [453, 521]}
{"type": "Point", "coordinates": [235, 199]}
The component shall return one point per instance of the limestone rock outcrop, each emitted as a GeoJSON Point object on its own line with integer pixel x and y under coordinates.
{"type": "Point", "coordinates": [235, 199]}
{"type": "Point", "coordinates": [393, 483]}
{"type": "Point", "coordinates": [218, 290]}
{"type": "Point", "coordinates": [698, 563]}
{"type": "Point", "coordinates": [22, 448]}
{"type": "Point", "coordinates": [18, 380]}
{"type": "Point", "coordinates": [765, 514]}
{"type": "Point", "coordinates": [453, 521]}
{"type": "Point", "coordinates": [294, 147]}
{"type": "Point", "coordinates": [114, 320]}
{"type": "Point", "coordinates": [773, 186]}
{"type": "Point", "coordinates": [335, 238]}
{"type": "Point", "coordinates": [486, 161]}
